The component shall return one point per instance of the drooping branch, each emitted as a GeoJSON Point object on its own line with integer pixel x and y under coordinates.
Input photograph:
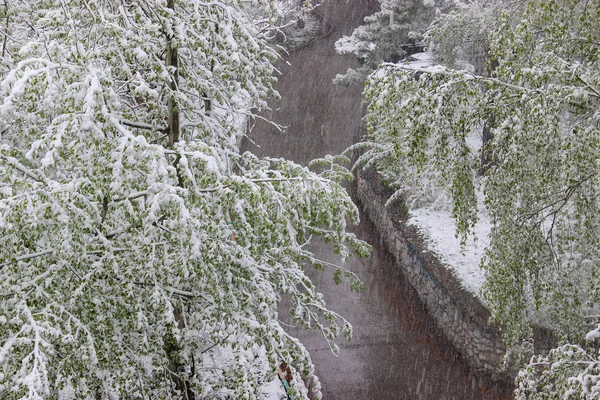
{"type": "Point", "coordinates": [263, 180]}
{"type": "Point", "coordinates": [557, 204]}
{"type": "Point", "coordinates": [23, 169]}
{"type": "Point", "coordinates": [462, 76]}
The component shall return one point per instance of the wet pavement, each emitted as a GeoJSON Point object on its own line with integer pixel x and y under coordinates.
{"type": "Point", "coordinates": [396, 353]}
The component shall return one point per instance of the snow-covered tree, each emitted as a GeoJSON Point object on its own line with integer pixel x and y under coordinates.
{"type": "Point", "coordinates": [541, 184]}
{"type": "Point", "coordinates": [141, 255]}
{"type": "Point", "coordinates": [459, 39]}
{"type": "Point", "coordinates": [398, 24]}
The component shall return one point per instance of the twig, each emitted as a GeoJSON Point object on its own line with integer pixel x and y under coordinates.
{"type": "Point", "coordinates": [215, 344]}
{"type": "Point", "coordinates": [593, 89]}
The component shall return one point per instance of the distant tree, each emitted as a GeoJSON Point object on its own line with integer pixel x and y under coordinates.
{"type": "Point", "coordinates": [141, 255]}
{"type": "Point", "coordinates": [460, 38]}
{"type": "Point", "coordinates": [541, 188]}
{"type": "Point", "coordinates": [398, 23]}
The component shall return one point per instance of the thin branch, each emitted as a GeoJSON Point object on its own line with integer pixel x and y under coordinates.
{"type": "Point", "coordinates": [131, 196]}
{"type": "Point", "coordinates": [562, 200]}
{"type": "Point", "coordinates": [467, 76]}
{"type": "Point", "coordinates": [21, 168]}
{"type": "Point", "coordinates": [159, 226]}
{"type": "Point", "coordinates": [141, 125]}
{"type": "Point", "coordinates": [317, 261]}
{"type": "Point", "coordinates": [593, 89]}
{"type": "Point", "coordinates": [262, 180]}
{"type": "Point", "coordinates": [26, 257]}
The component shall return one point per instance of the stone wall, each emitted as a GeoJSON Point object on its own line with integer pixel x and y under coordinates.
{"type": "Point", "coordinates": [459, 314]}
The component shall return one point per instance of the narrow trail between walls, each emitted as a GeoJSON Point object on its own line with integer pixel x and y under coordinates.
{"type": "Point", "coordinates": [396, 352]}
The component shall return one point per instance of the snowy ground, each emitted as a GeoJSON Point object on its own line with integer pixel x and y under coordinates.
{"type": "Point", "coordinates": [440, 230]}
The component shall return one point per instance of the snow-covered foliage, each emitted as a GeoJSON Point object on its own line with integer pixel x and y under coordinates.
{"type": "Point", "coordinates": [568, 372]}
{"type": "Point", "coordinates": [141, 255]}
{"type": "Point", "coordinates": [459, 39]}
{"type": "Point", "coordinates": [540, 172]}
{"type": "Point", "coordinates": [398, 23]}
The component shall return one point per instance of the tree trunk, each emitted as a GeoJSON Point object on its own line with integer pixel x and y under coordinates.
{"type": "Point", "coordinates": [486, 157]}
{"type": "Point", "coordinates": [172, 61]}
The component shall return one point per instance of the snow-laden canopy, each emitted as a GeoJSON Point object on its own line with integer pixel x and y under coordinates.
{"type": "Point", "coordinates": [141, 255]}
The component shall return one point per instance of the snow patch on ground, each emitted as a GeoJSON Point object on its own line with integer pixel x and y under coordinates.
{"type": "Point", "coordinates": [439, 228]}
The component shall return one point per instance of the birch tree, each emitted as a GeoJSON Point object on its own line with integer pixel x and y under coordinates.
{"type": "Point", "coordinates": [141, 255]}
{"type": "Point", "coordinates": [540, 186]}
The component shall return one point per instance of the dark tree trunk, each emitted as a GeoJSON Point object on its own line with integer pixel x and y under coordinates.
{"type": "Point", "coordinates": [486, 154]}
{"type": "Point", "coordinates": [173, 61]}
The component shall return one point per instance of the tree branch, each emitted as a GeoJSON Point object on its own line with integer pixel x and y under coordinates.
{"type": "Point", "coordinates": [23, 169]}
{"type": "Point", "coordinates": [26, 257]}
{"type": "Point", "coordinates": [141, 125]}
{"type": "Point", "coordinates": [593, 89]}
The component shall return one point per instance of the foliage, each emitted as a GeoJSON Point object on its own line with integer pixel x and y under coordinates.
{"type": "Point", "coordinates": [569, 371]}
{"type": "Point", "coordinates": [141, 255]}
{"type": "Point", "coordinates": [541, 184]}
